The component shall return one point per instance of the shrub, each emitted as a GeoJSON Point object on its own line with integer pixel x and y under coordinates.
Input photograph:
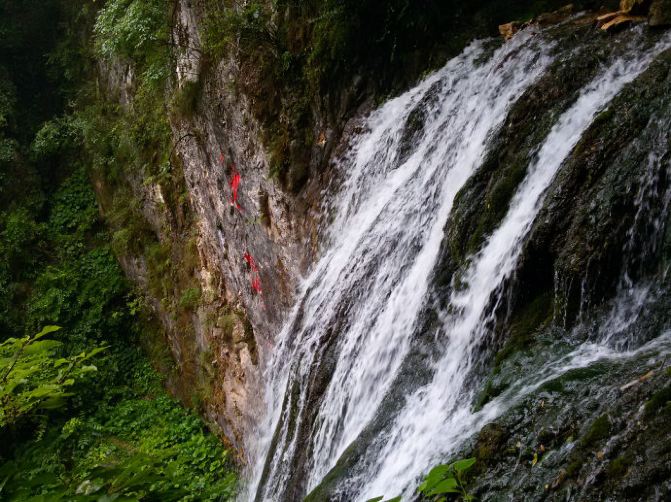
{"type": "Point", "coordinates": [447, 479]}
{"type": "Point", "coordinates": [34, 378]}
{"type": "Point", "coordinates": [131, 28]}
{"type": "Point", "coordinates": [190, 298]}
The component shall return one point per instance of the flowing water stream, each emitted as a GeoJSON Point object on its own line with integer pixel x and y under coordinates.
{"type": "Point", "coordinates": [339, 355]}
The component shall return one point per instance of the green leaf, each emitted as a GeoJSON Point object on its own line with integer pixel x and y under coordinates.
{"type": "Point", "coordinates": [434, 477]}
{"type": "Point", "coordinates": [60, 362]}
{"type": "Point", "coordinates": [45, 331]}
{"type": "Point", "coordinates": [463, 465]}
{"type": "Point", "coordinates": [448, 485]}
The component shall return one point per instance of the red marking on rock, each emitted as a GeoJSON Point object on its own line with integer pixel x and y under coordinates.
{"type": "Point", "coordinates": [250, 261]}
{"type": "Point", "coordinates": [235, 183]}
{"type": "Point", "coordinates": [256, 285]}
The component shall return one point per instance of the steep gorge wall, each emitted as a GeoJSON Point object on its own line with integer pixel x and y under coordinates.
{"type": "Point", "coordinates": [216, 323]}
{"type": "Point", "coordinates": [194, 274]}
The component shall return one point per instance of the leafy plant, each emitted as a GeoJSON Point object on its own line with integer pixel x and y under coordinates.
{"type": "Point", "coordinates": [130, 28]}
{"type": "Point", "coordinates": [33, 378]}
{"type": "Point", "coordinates": [143, 446]}
{"type": "Point", "coordinates": [447, 479]}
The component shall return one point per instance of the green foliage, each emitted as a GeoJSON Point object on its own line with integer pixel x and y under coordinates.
{"type": "Point", "coordinates": [33, 377]}
{"type": "Point", "coordinates": [7, 102]}
{"type": "Point", "coordinates": [56, 137]}
{"type": "Point", "coordinates": [131, 28]}
{"type": "Point", "coordinates": [115, 433]}
{"type": "Point", "coordinates": [598, 431]}
{"type": "Point", "coordinates": [142, 447]}
{"type": "Point", "coordinates": [658, 401]}
{"type": "Point", "coordinates": [447, 479]}
{"type": "Point", "coordinates": [190, 298]}
{"type": "Point", "coordinates": [248, 23]}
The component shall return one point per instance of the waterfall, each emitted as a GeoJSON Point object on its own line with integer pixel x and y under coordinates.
{"type": "Point", "coordinates": [436, 411]}
{"type": "Point", "coordinates": [340, 353]}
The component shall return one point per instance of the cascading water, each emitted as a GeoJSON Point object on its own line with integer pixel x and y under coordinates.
{"type": "Point", "coordinates": [414, 441]}
{"type": "Point", "coordinates": [340, 354]}
{"type": "Point", "coordinates": [386, 238]}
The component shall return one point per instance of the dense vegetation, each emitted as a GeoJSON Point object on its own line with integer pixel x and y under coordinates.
{"type": "Point", "coordinates": [84, 416]}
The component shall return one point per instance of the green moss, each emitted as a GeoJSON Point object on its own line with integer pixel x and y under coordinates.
{"type": "Point", "coordinates": [488, 393]}
{"type": "Point", "coordinates": [322, 492]}
{"type": "Point", "coordinates": [495, 204]}
{"type": "Point", "coordinates": [555, 386]}
{"type": "Point", "coordinates": [525, 324]}
{"type": "Point", "coordinates": [490, 441]}
{"type": "Point", "coordinates": [586, 373]}
{"type": "Point", "coordinates": [227, 324]}
{"type": "Point", "coordinates": [159, 266]}
{"type": "Point", "coordinates": [191, 257]}
{"type": "Point", "coordinates": [574, 467]}
{"type": "Point", "coordinates": [598, 431]}
{"type": "Point", "coordinates": [658, 401]}
{"type": "Point", "coordinates": [618, 467]}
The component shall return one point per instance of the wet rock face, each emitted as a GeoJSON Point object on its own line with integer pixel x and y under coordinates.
{"type": "Point", "coordinates": [259, 241]}
{"type": "Point", "coordinates": [593, 434]}
{"type": "Point", "coordinates": [235, 259]}
{"type": "Point", "coordinates": [600, 432]}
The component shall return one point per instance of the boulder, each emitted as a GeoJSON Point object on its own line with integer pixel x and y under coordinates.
{"type": "Point", "coordinates": [660, 13]}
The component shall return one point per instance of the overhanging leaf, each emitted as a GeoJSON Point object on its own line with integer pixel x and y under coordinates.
{"type": "Point", "coordinates": [448, 485]}
{"type": "Point", "coordinates": [463, 465]}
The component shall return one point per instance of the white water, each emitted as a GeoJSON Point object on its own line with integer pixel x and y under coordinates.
{"type": "Point", "coordinates": [652, 205]}
{"type": "Point", "coordinates": [417, 438]}
{"type": "Point", "coordinates": [372, 282]}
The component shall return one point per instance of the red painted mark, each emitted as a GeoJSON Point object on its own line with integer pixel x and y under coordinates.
{"type": "Point", "coordinates": [250, 261]}
{"type": "Point", "coordinates": [256, 285]}
{"type": "Point", "coordinates": [221, 159]}
{"type": "Point", "coordinates": [235, 183]}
